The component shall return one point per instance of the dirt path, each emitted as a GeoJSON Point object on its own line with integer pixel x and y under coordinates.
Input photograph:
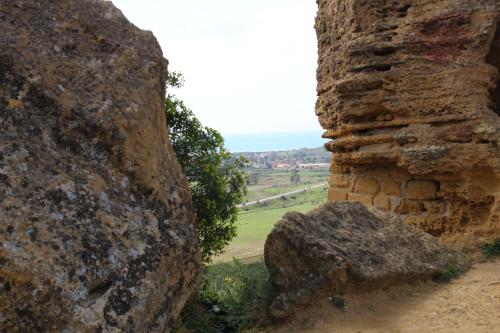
{"type": "Point", "coordinates": [307, 188]}
{"type": "Point", "coordinates": [470, 304]}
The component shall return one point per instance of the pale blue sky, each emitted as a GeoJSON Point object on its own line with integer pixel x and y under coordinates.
{"type": "Point", "coordinates": [249, 64]}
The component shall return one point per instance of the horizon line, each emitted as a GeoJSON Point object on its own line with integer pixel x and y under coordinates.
{"type": "Point", "coordinates": [278, 132]}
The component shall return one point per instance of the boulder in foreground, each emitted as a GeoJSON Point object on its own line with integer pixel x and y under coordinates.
{"type": "Point", "coordinates": [97, 231]}
{"type": "Point", "coordinates": [343, 248]}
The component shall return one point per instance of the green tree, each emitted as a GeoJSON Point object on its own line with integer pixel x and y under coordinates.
{"type": "Point", "coordinates": [216, 180]}
{"type": "Point", "coordinates": [295, 177]}
{"type": "Point", "coordinates": [254, 178]}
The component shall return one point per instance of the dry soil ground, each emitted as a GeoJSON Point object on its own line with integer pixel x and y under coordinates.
{"type": "Point", "coordinates": [469, 304]}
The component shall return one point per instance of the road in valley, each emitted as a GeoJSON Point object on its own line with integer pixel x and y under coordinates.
{"type": "Point", "coordinates": [280, 195]}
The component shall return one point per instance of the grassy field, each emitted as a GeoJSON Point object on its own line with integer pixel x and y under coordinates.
{"type": "Point", "coordinates": [272, 182]}
{"type": "Point", "coordinates": [255, 224]}
{"type": "Point", "coordinates": [315, 196]}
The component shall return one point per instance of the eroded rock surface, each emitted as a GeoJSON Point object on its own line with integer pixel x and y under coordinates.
{"type": "Point", "coordinates": [341, 248]}
{"type": "Point", "coordinates": [410, 92]}
{"type": "Point", "coordinates": [96, 226]}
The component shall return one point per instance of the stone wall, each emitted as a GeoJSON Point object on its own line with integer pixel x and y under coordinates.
{"type": "Point", "coordinates": [408, 92]}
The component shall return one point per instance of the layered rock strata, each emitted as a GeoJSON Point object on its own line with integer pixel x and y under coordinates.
{"type": "Point", "coordinates": [409, 93]}
{"type": "Point", "coordinates": [341, 248]}
{"type": "Point", "coordinates": [97, 231]}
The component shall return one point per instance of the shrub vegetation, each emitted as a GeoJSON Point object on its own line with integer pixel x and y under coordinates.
{"type": "Point", "coordinates": [450, 273]}
{"type": "Point", "coordinates": [491, 250]}
{"type": "Point", "coordinates": [234, 297]}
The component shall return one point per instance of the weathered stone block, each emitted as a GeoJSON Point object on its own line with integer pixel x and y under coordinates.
{"type": "Point", "coordinates": [342, 248]}
{"type": "Point", "coordinates": [414, 207]}
{"type": "Point", "coordinates": [382, 202]}
{"type": "Point", "coordinates": [434, 207]}
{"type": "Point", "coordinates": [365, 199]}
{"type": "Point", "coordinates": [367, 185]}
{"type": "Point", "coordinates": [421, 189]}
{"type": "Point", "coordinates": [395, 202]}
{"type": "Point", "coordinates": [376, 147]}
{"type": "Point", "coordinates": [400, 175]}
{"type": "Point", "coordinates": [337, 195]}
{"type": "Point", "coordinates": [391, 187]}
{"type": "Point", "coordinates": [337, 180]}
{"type": "Point", "coordinates": [377, 172]}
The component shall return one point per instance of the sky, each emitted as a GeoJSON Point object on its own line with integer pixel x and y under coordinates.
{"type": "Point", "coordinates": [249, 65]}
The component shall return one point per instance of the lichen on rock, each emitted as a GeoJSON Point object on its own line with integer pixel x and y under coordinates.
{"type": "Point", "coordinates": [409, 92]}
{"type": "Point", "coordinates": [97, 230]}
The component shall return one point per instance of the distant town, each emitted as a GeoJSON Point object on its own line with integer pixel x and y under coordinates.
{"type": "Point", "coordinates": [304, 158]}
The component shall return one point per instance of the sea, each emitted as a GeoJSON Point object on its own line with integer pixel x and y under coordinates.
{"type": "Point", "coordinates": [262, 142]}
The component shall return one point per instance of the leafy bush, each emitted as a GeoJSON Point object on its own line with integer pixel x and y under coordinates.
{"type": "Point", "coordinates": [234, 297]}
{"type": "Point", "coordinates": [491, 250]}
{"type": "Point", "coordinates": [450, 273]}
{"type": "Point", "coordinates": [339, 302]}
{"type": "Point", "coordinates": [217, 183]}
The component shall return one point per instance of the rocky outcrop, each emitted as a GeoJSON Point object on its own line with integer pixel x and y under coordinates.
{"type": "Point", "coordinates": [409, 91]}
{"type": "Point", "coordinates": [343, 248]}
{"type": "Point", "coordinates": [97, 231]}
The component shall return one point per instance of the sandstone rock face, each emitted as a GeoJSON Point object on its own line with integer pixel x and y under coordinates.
{"type": "Point", "coordinates": [343, 248]}
{"type": "Point", "coordinates": [97, 231]}
{"type": "Point", "coordinates": [409, 91]}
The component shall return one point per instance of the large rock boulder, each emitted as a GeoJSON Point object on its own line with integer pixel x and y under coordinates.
{"type": "Point", "coordinates": [410, 93]}
{"type": "Point", "coordinates": [343, 248]}
{"type": "Point", "coordinates": [97, 230]}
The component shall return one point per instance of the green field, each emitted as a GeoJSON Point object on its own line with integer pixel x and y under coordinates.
{"type": "Point", "coordinates": [253, 229]}
{"type": "Point", "coordinates": [255, 224]}
{"type": "Point", "coordinates": [272, 182]}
